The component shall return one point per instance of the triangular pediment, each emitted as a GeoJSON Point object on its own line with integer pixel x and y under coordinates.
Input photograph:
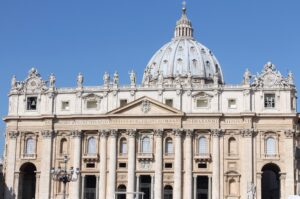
{"type": "Point", "coordinates": [146, 106]}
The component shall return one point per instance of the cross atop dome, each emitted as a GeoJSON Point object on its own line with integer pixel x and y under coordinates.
{"type": "Point", "coordinates": [183, 26]}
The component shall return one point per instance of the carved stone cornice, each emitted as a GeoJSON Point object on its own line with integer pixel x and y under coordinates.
{"type": "Point", "coordinates": [289, 133]}
{"type": "Point", "coordinates": [217, 132]}
{"type": "Point", "coordinates": [13, 134]}
{"type": "Point", "coordinates": [248, 133]}
{"type": "Point", "coordinates": [158, 132]}
{"type": "Point", "coordinates": [189, 132]}
{"type": "Point", "coordinates": [103, 132]}
{"type": "Point", "coordinates": [113, 132]}
{"type": "Point", "coordinates": [76, 134]}
{"type": "Point", "coordinates": [131, 133]}
{"type": "Point", "coordinates": [47, 134]}
{"type": "Point", "coordinates": [178, 132]}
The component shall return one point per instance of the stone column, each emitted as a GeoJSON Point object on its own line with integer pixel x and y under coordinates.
{"type": "Point", "coordinates": [76, 163]}
{"type": "Point", "coordinates": [247, 160]}
{"type": "Point", "coordinates": [282, 185]}
{"type": "Point", "coordinates": [45, 179]}
{"type": "Point", "coordinates": [178, 165]}
{"type": "Point", "coordinates": [97, 185]}
{"type": "Point", "coordinates": [152, 187]}
{"type": "Point", "coordinates": [258, 185]}
{"type": "Point", "coordinates": [289, 162]}
{"type": "Point", "coordinates": [137, 186]}
{"type": "Point", "coordinates": [209, 187]}
{"type": "Point", "coordinates": [82, 186]}
{"type": "Point", "coordinates": [216, 134]}
{"type": "Point", "coordinates": [188, 182]}
{"type": "Point", "coordinates": [158, 164]}
{"type": "Point", "coordinates": [131, 163]}
{"type": "Point", "coordinates": [112, 164]}
{"type": "Point", "coordinates": [103, 163]}
{"type": "Point", "coordinates": [10, 166]}
{"type": "Point", "coordinates": [37, 184]}
{"type": "Point", "coordinates": [195, 187]}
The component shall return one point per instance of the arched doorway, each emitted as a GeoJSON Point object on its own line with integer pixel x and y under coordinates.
{"type": "Point", "coordinates": [168, 192]}
{"type": "Point", "coordinates": [270, 184]}
{"type": "Point", "coordinates": [27, 181]}
{"type": "Point", "coordinates": [122, 188]}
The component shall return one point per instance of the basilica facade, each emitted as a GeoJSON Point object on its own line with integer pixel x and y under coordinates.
{"type": "Point", "coordinates": [181, 133]}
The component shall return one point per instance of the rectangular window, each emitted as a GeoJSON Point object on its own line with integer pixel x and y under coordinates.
{"type": "Point", "coordinates": [169, 102]}
{"type": "Point", "coordinates": [202, 165]}
{"type": "Point", "coordinates": [123, 102]}
{"type": "Point", "coordinates": [168, 165]}
{"type": "Point", "coordinates": [91, 104]}
{"type": "Point", "coordinates": [90, 165]}
{"type": "Point", "coordinates": [232, 103]}
{"type": "Point", "coordinates": [122, 165]}
{"type": "Point", "coordinates": [31, 103]}
{"type": "Point", "coordinates": [269, 100]}
{"type": "Point", "coordinates": [65, 105]}
{"type": "Point", "coordinates": [202, 103]}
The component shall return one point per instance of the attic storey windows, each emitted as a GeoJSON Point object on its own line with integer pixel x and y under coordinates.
{"type": "Point", "coordinates": [91, 104]}
{"type": "Point", "coordinates": [269, 101]}
{"type": "Point", "coordinates": [31, 103]}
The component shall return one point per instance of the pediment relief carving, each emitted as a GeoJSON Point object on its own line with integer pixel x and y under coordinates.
{"type": "Point", "coordinates": [92, 96]}
{"type": "Point", "coordinates": [270, 77]}
{"type": "Point", "coordinates": [202, 95]}
{"type": "Point", "coordinates": [32, 84]}
{"type": "Point", "coordinates": [146, 106]}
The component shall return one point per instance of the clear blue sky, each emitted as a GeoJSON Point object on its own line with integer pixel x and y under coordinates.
{"type": "Point", "coordinates": [67, 37]}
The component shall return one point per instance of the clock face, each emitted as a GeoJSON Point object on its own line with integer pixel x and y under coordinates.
{"type": "Point", "coordinates": [269, 80]}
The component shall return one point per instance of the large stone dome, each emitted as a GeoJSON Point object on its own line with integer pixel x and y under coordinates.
{"type": "Point", "coordinates": [183, 58]}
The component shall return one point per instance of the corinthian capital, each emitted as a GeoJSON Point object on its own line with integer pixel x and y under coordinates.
{"type": "Point", "coordinates": [47, 134]}
{"type": "Point", "coordinates": [76, 134]}
{"type": "Point", "coordinates": [131, 132]}
{"type": "Point", "coordinates": [289, 133]}
{"type": "Point", "coordinates": [248, 132]}
{"type": "Point", "coordinates": [189, 132]}
{"type": "Point", "coordinates": [113, 132]}
{"type": "Point", "coordinates": [13, 134]}
{"type": "Point", "coordinates": [178, 132]}
{"type": "Point", "coordinates": [217, 132]}
{"type": "Point", "coordinates": [103, 132]}
{"type": "Point", "coordinates": [158, 132]}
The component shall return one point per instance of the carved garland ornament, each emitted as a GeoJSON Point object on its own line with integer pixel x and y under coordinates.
{"type": "Point", "coordinates": [13, 134]}
{"type": "Point", "coordinates": [289, 133]}
{"type": "Point", "coordinates": [158, 132]}
{"type": "Point", "coordinates": [217, 132]}
{"type": "Point", "coordinates": [47, 133]}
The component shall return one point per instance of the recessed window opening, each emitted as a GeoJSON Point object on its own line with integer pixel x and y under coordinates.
{"type": "Point", "coordinates": [269, 100]}
{"type": "Point", "coordinates": [92, 104]}
{"type": "Point", "coordinates": [202, 103]}
{"type": "Point", "coordinates": [31, 103]}
{"type": "Point", "coordinates": [65, 105]}
{"type": "Point", "coordinates": [169, 102]}
{"type": "Point", "coordinates": [232, 103]}
{"type": "Point", "coordinates": [123, 102]}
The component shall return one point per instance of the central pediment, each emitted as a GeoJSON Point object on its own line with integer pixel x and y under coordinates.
{"type": "Point", "coordinates": [145, 106]}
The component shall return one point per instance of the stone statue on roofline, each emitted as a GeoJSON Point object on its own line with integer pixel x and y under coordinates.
{"type": "Point", "coordinates": [14, 82]}
{"type": "Point", "coordinates": [116, 78]}
{"type": "Point", "coordinates": [290, 78]}
{"type": "Point", "coordinates": [132, 78]}
{"type": "Point", "coordinates": [52, 80]}
{"type": "Point", "coordinates": [106, 79]}
{"type": "Point", "coordinates": [247, 77]}
{"type": "Point", "coordinates": [80, 80]}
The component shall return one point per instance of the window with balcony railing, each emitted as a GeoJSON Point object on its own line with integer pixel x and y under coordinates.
{"type": "Point", "coordinates": [270, 147]}
{"type": "Point", "coordinates": [91, 146]}
{"type": "Point", "coordinates": [123, 146]}
{"type": "Point", "coordinates": [169, 147]}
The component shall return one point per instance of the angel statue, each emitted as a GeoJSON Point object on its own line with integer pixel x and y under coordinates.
{"type": "Point", "coordinates": [80, 80]}
{"type": "Point", "coordinates": [52, 80]}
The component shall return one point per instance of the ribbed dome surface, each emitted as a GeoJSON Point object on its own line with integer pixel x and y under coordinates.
{"type": "Point", "coordinates": [183, 57]}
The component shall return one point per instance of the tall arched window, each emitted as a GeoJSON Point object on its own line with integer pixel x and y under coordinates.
{"type": "Point", "coordinates": [169, 146]}
{"type": "Point", "coordinates": [146, 145]}
{"type": "Point", "coordinates": [63, 146]}
{"type": "Point", "coordinates": [202, 150]}
{"type": "Point", "coordinates": [232, 146]}
{"type": "Point", "coordinates": [91, 147]}
{"type": "Point", "coordinates": [270, 146]}
{"type": "Point", "coordinates": [123, 146]}
{"type": "Point", "coordinates": [30, 146]}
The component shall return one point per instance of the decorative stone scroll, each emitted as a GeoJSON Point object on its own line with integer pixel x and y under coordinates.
{"type": "Point", "coordinates": [217, 132]}
{"type": "Point", "coordinates": [13, 134]}
{"type": "Point", "coordinates": [289, 133]}
{"type": "Point", "coordinates": [47, 134]}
